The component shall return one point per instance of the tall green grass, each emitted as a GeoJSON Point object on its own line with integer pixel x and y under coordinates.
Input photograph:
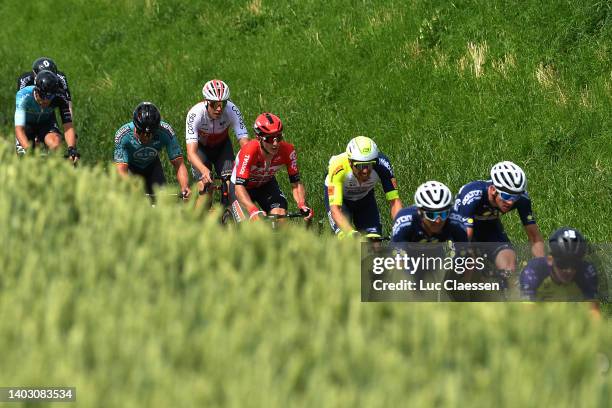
{"type": "Point", "coordinates": [446, 89]}
{"type": "Point", "coordinates": [139, 306]}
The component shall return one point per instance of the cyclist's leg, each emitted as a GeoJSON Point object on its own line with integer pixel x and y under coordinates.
{"type": "Point", "coordinates": [32, 134]}
{"type": "Point", "coordinates": [345, 209]}
{"type": "Point", "coordinates": [51, 135]}
{"type": "Point", "coordinates": [224, 164]}
{"type": "Point", "coordinates": [496, 246]}
{"type": "Point", "coordinates": [366, 215]}
{"type": "Point", "coordinates": [203, 154]}
{"type": "Point", "coordinates": [153, 175]}
{"type": "Point", "coordinates": [271, 199]}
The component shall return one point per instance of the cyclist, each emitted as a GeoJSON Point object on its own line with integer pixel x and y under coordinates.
{"type": "Point", "coordinates": [429, 219]}
{"type": "Point", "coordinates": [35, 116]}
{"type": "Point", "coordinates": [349, 188]}
{"type": "Point", "coordinates": [253, 177]}
{"type": "Point", "coordinates": [480, 205]}
{"type": "Point", "coordinates": [207, 130]}
{"type": "Point", "coordinates": [139, 143]}
{"type": "Point", "coordinates": [564, 274]}
{"type": "Point", "coordinates": [46, 64]}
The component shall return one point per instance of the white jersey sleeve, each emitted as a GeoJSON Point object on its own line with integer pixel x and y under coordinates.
{"type": "Point", "coordinates": [193, 121]}
{"type": "Point", "coordinates": [236, 120]}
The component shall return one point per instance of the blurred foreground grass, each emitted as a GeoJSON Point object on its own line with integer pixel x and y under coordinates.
{"type": "Point", "coordinates": [160, 307]}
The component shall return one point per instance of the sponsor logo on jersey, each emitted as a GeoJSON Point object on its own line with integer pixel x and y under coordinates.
{"type": "Point", "coordinates": [121, 132]}
{"type": "Point", "coordinates": [330, 192]}
{"type": "Point", "coordinates": [168, 128]}
{"type": "Point", "coordinates": [400, 222]}
{"type": "Point", "coordinates": [145, 153]}
{"type": "Point", "coordinates": [394, 183]}
{"type": "Point", "coordinates": [190, 121]}
{"type": "Point", "coordinates": [471, 197]}
{"type": "Point", "coordinates": [244, 163]}
{"type": "Point", "coordinates": [385, 163]}
{"type": "Point", "coordinates": [293, 158]}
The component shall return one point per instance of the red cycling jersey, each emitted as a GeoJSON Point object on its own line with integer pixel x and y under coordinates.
{"type": "Point", "coordinates": [251, 169]}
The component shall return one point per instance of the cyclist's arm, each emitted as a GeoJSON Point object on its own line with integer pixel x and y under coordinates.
{"type": "Point", "coordinates": [389, 184]}
{"type": "Point", "coordinates": [469, 231]}
{"type": "Point", "coordinates": [70, 134]}
{"type": "Point", "coordinates": [237, 122]}
{"type": "Point", "coordinates": [20, 120]}
{"type": "Point", "coordinates": [299, 192]}
{"type": "Point", "coordinates": [340, 219]}
{"type": "Point", "coordinates": [535, 237]}
{"type": "Point", "coordinates": [122, 169]}
{"type": "Point", "coordinates": [181, 172]}
{"type": "Point", "coordinates": [194, 159]}
{"type": "Point", "coordinates": [395, 205]}
{"type": "Point", "coordinates": [244, 198]}
{"type": "Point", "coordinates": [22, 137]}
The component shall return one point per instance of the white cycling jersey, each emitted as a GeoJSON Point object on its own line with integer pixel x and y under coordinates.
{"type": "Point", "coordinates": [211, 132]}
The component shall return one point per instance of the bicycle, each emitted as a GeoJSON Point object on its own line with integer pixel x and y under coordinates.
{"type": "Point", "coordinates": [275, 222]}
{"type": "Point", "coordinates": [219, 185]}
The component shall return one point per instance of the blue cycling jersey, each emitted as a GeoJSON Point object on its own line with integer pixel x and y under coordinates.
{"type": "Point", "coordinates": [408, 227]}
{"type": "Point", "coordinates": [129, 150]}
{"type": "Point", "coordinates": [472, 205]}
{"type": "Point", "coordinates": [537, 283]}
{"type": "Point", "coordinates": [29, 112]}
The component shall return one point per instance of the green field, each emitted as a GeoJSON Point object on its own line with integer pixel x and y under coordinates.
{"type": "Point", "coordinates": [159, 307]}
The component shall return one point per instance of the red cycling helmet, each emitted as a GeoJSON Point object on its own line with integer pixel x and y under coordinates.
{"type": "Point", "coordinates": [268, 124]}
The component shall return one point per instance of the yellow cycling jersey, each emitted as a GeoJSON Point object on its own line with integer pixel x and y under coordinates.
{"type": "Point", "coordinates": [341, 182]}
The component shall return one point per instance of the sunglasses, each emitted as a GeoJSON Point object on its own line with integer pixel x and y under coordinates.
{"type": "Point", "coordinates": [509, 197]}
{"type": "Point", "coordinates": [272, 138]}
{"type": "Point", "coordinates": [434, 215]}
{"type": "Point", "coordinates": [217, 104]}
{"type": "Point", "coordinates": [363, 165]}
{"type": "Point", "coordinates": [564, 263]}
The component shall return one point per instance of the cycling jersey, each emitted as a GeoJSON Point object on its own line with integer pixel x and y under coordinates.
{"type": "Point", "coordinates": [363, 213]}
{"type": "Point", "coordinates": [252, 170]}
{"type": "Point", "coordinates": [342, 183]}
{"type": "Point", "coordinates": [128, 148]}
{"type": "Point", "coordinates": [408, 227]}
{"type": "Point", "coordinates": [27, 79]}
{"type": "Point", "coordinates": [537, 283]}
{"type": "Point", "coordinates": [211, 132]}
{"type": "Point", "coordinates": [29, 112]}
{"type": "Point", "coordinates": [472, 204]}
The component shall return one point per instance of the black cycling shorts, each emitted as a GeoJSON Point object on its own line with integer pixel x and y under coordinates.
{"type": "Point", "coordinates": [153, 174]}
{"type": "Point", "coordinates": [220, 156]}
{"type": "Point", "coordinates": [268, 197]}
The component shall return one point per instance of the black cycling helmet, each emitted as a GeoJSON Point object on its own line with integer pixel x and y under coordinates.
{"type": "Point", "coordinates": [46, 83]}
{"type": "Point", "coordinates": [146, 117]}
{"type": "Point", "coordinates": [44, 64]}
{"type": "Point", "coordinates": [567, 244]}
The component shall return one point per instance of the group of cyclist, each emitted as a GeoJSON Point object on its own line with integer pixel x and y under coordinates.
{"type": "Point", "coordinates": [472, 216]}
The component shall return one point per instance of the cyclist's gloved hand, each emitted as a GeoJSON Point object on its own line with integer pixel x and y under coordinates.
{"type": "Point", "coordinates": [72, 153]}
{"type": "Point", "coordinates": [186, 193]}
{"type": "Point", "coordinates": [306, 211]}
{"type": "Point", "coordinates": [205, 178]}
{"type": "Point", "coordinates": [255, 213]}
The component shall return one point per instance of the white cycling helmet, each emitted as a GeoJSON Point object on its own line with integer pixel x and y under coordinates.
{"type": "Point", "coordinates": [509, 177]}
{"type": "Point", "coordinates": [433, 196]}
{"type": "Point", "coordinates": [362, 149]}
{"type": "Point", "coordinates": [216, 90]}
